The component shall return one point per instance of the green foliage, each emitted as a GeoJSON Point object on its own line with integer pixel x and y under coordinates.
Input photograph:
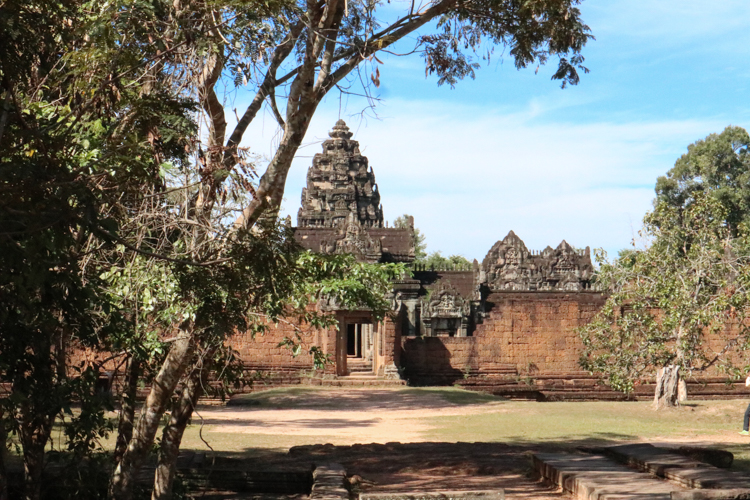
{"type": "Point", "coordinates": [689, 282]}
{"type": "Point", "coordinates": [436, 260]}
{"type": "Point", "coordinates": [340, 282]}
{"type": "Point", "coordinates": [79, 134]}
{"type": "Point", "coordinates": [718, 166]}
{"type": "Point", "coordinates": [532, 30]}
{"type": "Point", "coordinates": [115, 221]}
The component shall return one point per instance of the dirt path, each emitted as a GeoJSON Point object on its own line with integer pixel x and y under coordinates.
{"type": "Point", "coordinates": [356, 416]}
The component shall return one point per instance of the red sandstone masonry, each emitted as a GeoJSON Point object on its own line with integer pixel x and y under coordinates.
{"type": "Point", "coordinates": [529, 332]}
{"type": "Point", "coordinates": [535, 331]}
{"type": "Point", "coordinates": [263, 352]}
{"type": "Point", "coordinates": [528, 336]}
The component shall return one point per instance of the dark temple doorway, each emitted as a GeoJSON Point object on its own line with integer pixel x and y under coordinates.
{"type": "Point", "coordinates": [354, 340]}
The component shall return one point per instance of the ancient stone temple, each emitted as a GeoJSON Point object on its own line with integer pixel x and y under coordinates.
{"type": "Point", "coordinates": [339, 184]}
{"type": "Point", "coordinates": [507, 325]}
{"type": "Point", "coordinates": [341, 211]}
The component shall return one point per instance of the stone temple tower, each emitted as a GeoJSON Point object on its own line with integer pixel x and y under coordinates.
{"type": "Point", "coordinates": [339, 183]}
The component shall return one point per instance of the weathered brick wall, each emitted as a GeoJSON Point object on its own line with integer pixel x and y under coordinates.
{"type": "Point", "coordinates": [527, 333]}
{"type": "Point", "coordinates": [262, 352]}
{"type": "Point", "coordinates": [530, 332]}
{"type": "Point", "coordinates": [535, 331]}
{"type": "Point", "coordinates": [447, 358]}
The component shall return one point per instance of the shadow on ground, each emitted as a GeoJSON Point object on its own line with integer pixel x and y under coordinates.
{"type": "Point", "coordinates": [308, 423]}
{"type": "Point", "coordinates": [377, 399]}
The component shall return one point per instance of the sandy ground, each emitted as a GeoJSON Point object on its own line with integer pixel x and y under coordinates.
{"type": "Point", "coordinates": [366, 416]}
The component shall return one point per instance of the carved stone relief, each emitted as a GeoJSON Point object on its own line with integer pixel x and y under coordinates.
{"type": "Point", "coordinates": [446, 313]}
{"type": "Point", "coordinates": [351, 237]}
{"type": "Point", "coordinates": [509, 265]}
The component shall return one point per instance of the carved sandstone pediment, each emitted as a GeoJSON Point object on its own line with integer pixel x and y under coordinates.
{"type": "Point", "coordinates": [445, 302]}
{"type": "Point", "coordinates": [510, 266]}
{"type": "Point", "coordinates": [351, 237]}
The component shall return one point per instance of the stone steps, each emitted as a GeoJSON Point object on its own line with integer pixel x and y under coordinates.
{"type": "Point", "coordinates": [594, 477]}
{"type": "Point", "coordinates": [641, 472]}
{"type": "Point", "coordinates": [359, 369]}
{"type": "Point", "coordinates": [677, 468]}
{"type": "Point", "coordinates": [360, 381]}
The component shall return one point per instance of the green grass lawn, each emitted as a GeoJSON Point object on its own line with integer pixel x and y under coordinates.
{"type": "Point", "coordinates": [591, 422]}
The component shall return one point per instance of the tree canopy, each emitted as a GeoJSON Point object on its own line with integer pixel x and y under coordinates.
{"type": "Point", "coordinates": [678, 305]}
{"type": "Point", "coordinates": [719, 166]}
{"type": "Point", "coordinates": [437, 260]}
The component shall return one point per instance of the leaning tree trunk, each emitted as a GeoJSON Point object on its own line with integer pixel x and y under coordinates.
{"type": "Point", "coordinates": [34, 432]}
{"type": "Point", "coordinates": [270, 190]}
{"type": "Point", "coordinates": [172, 435]}
{"type": "Point", "coordinates": [162, 388]}
{"type": "Point", "coordinates": [667, 392]}
{"type": "Point", "coordinates": [127, 408]}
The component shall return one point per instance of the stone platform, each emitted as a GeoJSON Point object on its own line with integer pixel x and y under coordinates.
{"type": "Point", "coordinates": [639, 472]}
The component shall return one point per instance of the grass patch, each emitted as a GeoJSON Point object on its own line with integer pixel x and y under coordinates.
{"type": "Point", "coordinates": [489, 419]}
{"type": "Point", "coordinates": [455, 396]}
{"type": "Point", "coordinates": [590, 422]}
{"type": "Point", "coordinates": [289, 398]}
{"type": "Point", "coordinates": [570, 424]}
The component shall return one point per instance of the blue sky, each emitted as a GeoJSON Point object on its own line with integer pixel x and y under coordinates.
{"type": "Point", "coordinates": [511, 150]}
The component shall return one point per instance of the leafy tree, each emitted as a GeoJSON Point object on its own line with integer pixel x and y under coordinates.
{"type": "Point", "coordinates": [668, 299]}
{"type": "Point", "coordinates": [302, 51]}
{"type": "Point", "coordinates": [436, 260]}
{"type": "Point", "coordinates": [313, 48]}
{"type": "Point", "coordinates": [74, 140]}
{"type": "Point", "coordinates": [406, 221]}
{"type": "Point", "coordinates": [719, 166]}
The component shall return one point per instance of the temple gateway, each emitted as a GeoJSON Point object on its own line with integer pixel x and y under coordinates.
{"type": "Point", "coordinates": [507, 325]}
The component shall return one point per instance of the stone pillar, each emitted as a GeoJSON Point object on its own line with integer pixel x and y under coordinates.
{"type": "Point", "coordinates": [341, 368]}
{"type": "Point", "coordinates": [411, 317]}
{"type": "Point", "coordinates": [367, 341]}
{"type": "Point", "coordinates": [427, 324]}
{"type": "Point", "coordinates": [463, 329]}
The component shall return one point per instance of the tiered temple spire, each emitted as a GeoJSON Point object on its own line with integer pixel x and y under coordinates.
{"type": "Point", "coordinates": [339, 183]}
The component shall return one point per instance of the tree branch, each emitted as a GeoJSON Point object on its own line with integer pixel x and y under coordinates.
{"type": "Point", "coordinates": [269, 83]}
{"type": "Point", "coordinates": [384, 40]}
